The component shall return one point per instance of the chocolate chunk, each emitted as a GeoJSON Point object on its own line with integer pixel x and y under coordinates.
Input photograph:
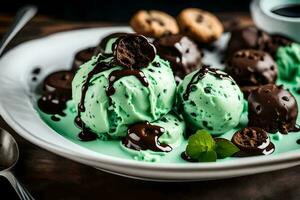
{"type": "Point", "coordinates": [134, 51]}
{"type": "Point", "coordinates": [182, 53]}
{"type": "Point", "coordinates": [252, 141]}
{"type": "Point", "coordinates": [143, 136]}
{"type": "Point", "coordinates": [83, 56]}
{"type": "Point", "coordinates": [247, 38]}
{"type": "Point", "coordinates": [273, 108]}
{"type": "Point", "coordinates": [248, 89]}
{"type": "Point", "coordinates": [59, 82]}
{"type": "Point", "coordinates": [275, 42]}
{"type": "Point", "coordinates": [104, 42]}
{"type": "Point", "coordinates": [57, 91]}
{"type": "Point", "coordinates": [251, 68]}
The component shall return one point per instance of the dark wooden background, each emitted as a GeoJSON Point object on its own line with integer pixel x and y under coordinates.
{"type": "Point", "coordinates": [118, 10]}
{"type": "Point", "coordinates": [51, 177]}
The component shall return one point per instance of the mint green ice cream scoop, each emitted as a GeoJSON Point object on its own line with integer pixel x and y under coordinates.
{"type": "Point", "coordinates": [288, 61]}
{"type": "Point", "coordinates": [210, 99]}
{"type": "Point", "coordinates": [132, 102]}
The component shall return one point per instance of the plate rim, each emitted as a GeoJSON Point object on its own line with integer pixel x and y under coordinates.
{"type": "Point", "coordinates": [286, 157]}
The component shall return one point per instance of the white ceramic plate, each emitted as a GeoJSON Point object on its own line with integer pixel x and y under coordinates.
{"type": "Point", "coordinates": [56, 52]}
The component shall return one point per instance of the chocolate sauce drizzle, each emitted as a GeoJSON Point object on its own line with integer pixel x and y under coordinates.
{"type": "Point", "coordinates": [100, 67]}
{"type": "Point", "coordinates": [144, 136]}
{"type": "Point", "coordinates": [185, 157]}
{"type": "Point", "coordinates": [200, 75]}
{"type": "Point", "coordinates": [86, 134]}
{"type": "Point", "coordinates": [118, 74]}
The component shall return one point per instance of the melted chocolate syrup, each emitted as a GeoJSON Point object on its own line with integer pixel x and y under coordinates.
{"type": "Point", "coordinates": [100, 67]}
{"type": "Point", "coordinates": [51, 104]}
{"type": "Point", "coordinates": [54, 118]}
{"type": "Point", "coordinates": [145, 136]}
{"type": "Point", "coordinates": [292, 10]}
{"type": "Point", "coordinates": [118, 74]}
{"type": "Point", "coordinates": [185, 157]}
{"type": "Point", "coordinates": [200, 75]}
{"type": "Point", "coordinates": [86, 134]}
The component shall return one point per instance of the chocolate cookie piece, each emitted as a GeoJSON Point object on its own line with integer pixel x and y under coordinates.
{"type": "Point", "coordinates": [275, 42]}
{"type": "Point", "coordinates": [182, 53]}
{"type": "Point", "coordinates": [248, 89]}
{"type": "Point", "coordinates": [252, 141]}
{"type": "Point", "coordinates": [273, 108]}
{"type": "Point", "coordinates": [200, 25]}
{"type": "Point", "coordinates": [107, 42]}
{"type": "Point", "coordinates": [59, 82]}
{"type": "Point", "coordinates": [248, 37]}
{"type": "Point", "coordinates": [57, 91]}
{"type": "Point", "coordinates": [134, 51]}
{"type": "Point", "coordinates": [251, 68]}
{"type": "Point", "coordinates": [154, 23]}
{"type": "Point", "coordinates": [83, 56]}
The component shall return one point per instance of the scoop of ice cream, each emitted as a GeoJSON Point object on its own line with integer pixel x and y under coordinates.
{"type": "Point", "coordinates": [248, 37]}
{"type": "Point", "coordinates": [115, 99]}
{"type": "Point", "coordinates": [273, 109]}
{"type": "Point", "coordinates": [182, 53]}
{"type": "Point", "coordinates": [288, 61]}
{"type": "Point", "coordinates": [251, 67]}
{"type": "Point", "coordinates": [209, 98]}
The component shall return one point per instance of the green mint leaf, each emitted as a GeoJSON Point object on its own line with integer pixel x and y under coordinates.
{"type": "Point", "coordinates": [209, 156]}
{"type": "Point", "coordinates": [225, 148]}
{"type": "Point", "coordinates": [200, 142]}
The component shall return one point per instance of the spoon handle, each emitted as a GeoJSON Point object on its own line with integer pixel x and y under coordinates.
{"type": "Point", "coordinates": [19, 188]}
{"type": "Point", "coordinates": [22, 17]}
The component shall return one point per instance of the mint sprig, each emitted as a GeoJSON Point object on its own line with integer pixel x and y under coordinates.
{"type": "Point", "coordinates": [225, 148]}
{"type": "Point", "coordinates": [203, 148]}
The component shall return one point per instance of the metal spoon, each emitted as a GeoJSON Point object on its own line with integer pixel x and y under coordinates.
{"type": "Point", "coordinates": [22, 17]}
{"type": "Point", "coordinates": [9, 155]}
{"type": "Point", "coordinates": [9, 151]}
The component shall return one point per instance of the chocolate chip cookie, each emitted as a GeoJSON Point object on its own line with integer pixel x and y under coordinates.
{"type": "Point", "coordinates": [153, 23]}
{"type": "Point", "coordinates": [200, 25]}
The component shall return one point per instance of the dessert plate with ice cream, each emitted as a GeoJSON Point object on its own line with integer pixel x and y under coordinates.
{"type": "Point", "coordinates": [159, 103]}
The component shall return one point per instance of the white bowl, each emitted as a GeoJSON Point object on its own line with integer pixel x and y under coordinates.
{"type": "Point", "coordinates": [55, 52]}
{"type": "Point", "coordinates": [265, 19]}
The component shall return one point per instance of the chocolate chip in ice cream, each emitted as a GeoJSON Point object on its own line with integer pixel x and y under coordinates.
{"type": "Point", "coordinates": [273, 108]}
{"type": "Point", "coordinates": [134, 51]}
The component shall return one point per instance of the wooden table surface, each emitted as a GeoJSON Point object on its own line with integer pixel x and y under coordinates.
{"type": "Point", "coordinates": [48, 176]}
